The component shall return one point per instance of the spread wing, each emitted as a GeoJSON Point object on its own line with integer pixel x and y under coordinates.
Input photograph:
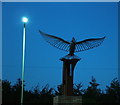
{"type": "Point", "coordinates": [88, 44]}
{"type": "Point", "coordinates": [56, 41]}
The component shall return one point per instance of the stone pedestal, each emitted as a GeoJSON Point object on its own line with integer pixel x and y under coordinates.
{"type": "Point", "coordinates": [69, 62]}
{"type": "Point", "coordinates": [67, 100]}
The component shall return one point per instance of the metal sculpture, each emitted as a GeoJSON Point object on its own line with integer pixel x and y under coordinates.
{"type": "Point", "coordinates": [70, 60]}
{"type": "Point", "coordinates": [72, 46]}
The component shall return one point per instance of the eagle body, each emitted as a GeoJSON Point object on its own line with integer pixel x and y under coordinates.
{"type": "Point", "coordinates": [72, 46]}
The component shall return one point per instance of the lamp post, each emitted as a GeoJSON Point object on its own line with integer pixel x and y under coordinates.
{"type": "Point", "coordinates": [24, 20]}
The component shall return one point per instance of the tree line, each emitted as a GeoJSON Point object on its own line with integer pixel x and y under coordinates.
{"type": "Point", "coordinates": [91, 95]}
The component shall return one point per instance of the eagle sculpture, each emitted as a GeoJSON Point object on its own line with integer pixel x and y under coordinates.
{"type": "Point", "coordinates": [73, 46]}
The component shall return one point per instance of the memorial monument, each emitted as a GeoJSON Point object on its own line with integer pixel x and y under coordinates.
{"type": "Point", "coordinates": [69, 62]}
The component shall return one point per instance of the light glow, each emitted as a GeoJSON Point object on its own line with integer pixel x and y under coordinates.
{"type": "Point", "coordinates": [25, 19]}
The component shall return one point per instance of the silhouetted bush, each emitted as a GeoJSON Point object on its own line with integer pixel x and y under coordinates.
{"type": "Point", "coordinates": [11, 94]}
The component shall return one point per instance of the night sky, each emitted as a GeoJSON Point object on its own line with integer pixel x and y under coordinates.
{"type": "Point", "coordinates": [65, 20]}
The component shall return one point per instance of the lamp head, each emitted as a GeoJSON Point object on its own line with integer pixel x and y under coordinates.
{"type": "Point", "coordinates": [24, 19]}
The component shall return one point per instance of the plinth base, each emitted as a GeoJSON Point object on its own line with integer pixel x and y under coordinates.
{"type": "Point", "coordinates": [67, 100]}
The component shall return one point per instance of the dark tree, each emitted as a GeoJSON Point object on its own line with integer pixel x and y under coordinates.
{"type": "Point", "coordinates": [77, 91]}
{"type": "Point", "coordinates": [7, 95]}
{"type": "Point", "coordinates": [92, 93]}
{"type": "Point", "coordinates": [59, 90]}
{"type": "Point", "coordinates": [113, 91]}
{"type": "Point", "coordinates": [46, 95]}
